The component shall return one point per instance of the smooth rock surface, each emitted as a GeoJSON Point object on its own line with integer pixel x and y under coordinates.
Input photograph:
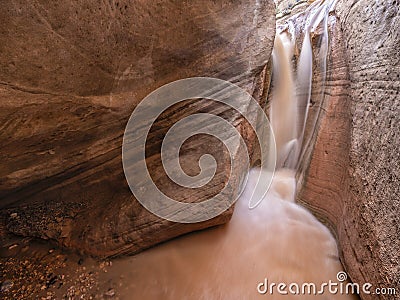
{"type": "Point", "coordinates": [71, 75]}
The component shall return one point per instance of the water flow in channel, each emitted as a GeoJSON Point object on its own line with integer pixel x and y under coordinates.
{"type": "Point", "coordinates": [278, 241]}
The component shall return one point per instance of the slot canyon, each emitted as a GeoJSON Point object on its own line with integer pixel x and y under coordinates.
{"type": "Point", "coordinates": [270, 128]}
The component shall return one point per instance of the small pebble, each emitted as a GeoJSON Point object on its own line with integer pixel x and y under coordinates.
{"type": "Point", "coordinates": [6, 286]}
{"type": "Point", "coordinates": [13, 246]}
{"type": "Point", "coordinates": [110, 293]}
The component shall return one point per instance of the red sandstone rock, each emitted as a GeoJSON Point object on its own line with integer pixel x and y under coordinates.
{"type": "Point", "coordinates": [71, 75]}
{"type": "Point", "coordinates": [351, 177]}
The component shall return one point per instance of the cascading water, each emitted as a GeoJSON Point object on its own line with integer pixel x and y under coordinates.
{"type": "Point", "coordinates": [278, 241]}
{"type": "Point", "coordinates": [292, 90]}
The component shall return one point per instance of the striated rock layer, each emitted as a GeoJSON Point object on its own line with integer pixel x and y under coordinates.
{"type": "Point", "coordinates": [71, 75]}
{"type": "Point", "coordinates": [350, 176]}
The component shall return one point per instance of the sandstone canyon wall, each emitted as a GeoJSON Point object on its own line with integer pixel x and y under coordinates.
{"type": "Point", "coordinates": [71, 75]}
{"type": "Point", "coordinates": [351, 177]}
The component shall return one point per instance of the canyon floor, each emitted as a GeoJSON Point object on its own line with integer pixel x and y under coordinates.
{"type": "Point", "coordinates": [32, 269]}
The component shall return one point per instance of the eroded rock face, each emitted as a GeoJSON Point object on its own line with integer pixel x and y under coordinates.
{"type": "Point", "coordinates": [71, 75]}
{"type": "Point", "coordinates": [352, 181]}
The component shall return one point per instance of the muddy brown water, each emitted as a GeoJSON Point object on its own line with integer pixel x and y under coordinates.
{"type": "Point", "coordinates": [278, 240]}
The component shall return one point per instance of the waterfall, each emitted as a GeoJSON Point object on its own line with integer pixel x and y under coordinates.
{"type": "Point", "coordinates": [292, 84]}
{"type": "Point", "coordinates": [283, 113]}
